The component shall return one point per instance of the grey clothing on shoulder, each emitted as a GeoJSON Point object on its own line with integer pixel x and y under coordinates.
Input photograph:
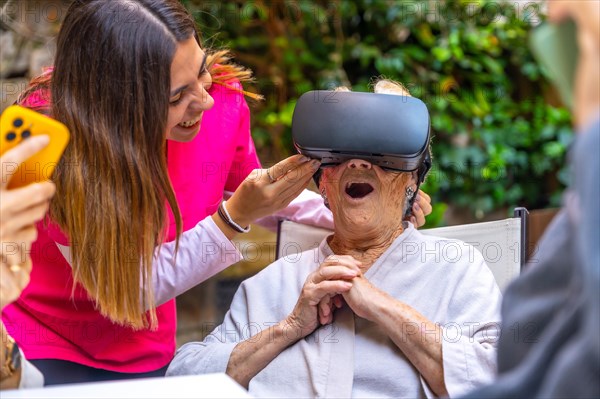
{"type": "Point", "coordinates": [550, 341]}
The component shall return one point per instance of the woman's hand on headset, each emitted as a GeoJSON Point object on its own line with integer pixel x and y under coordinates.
{"type": "Point", "coordinates": [420, 209]}
{"type": "Point", "coordinates": [266, 191]}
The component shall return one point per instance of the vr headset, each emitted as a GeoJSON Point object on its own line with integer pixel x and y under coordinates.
{"type": "Point", "coordinates": [390, 131]}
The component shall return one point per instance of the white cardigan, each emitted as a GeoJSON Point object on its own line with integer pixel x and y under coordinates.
{"type": "Point", "coordinates": [447, 281]}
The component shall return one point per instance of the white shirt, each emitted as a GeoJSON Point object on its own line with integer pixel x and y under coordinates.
{"type": "Point", "coordinates": [447, 281]}
{"type": "Point", "coordinates": [31, 377]}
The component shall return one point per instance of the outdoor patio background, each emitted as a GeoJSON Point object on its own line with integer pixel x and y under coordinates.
{"type": "Point", "coordinates": [500, 132]}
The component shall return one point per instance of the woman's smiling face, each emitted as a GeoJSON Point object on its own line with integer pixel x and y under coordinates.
{"type": "Point", "coordinates": [189, 98]}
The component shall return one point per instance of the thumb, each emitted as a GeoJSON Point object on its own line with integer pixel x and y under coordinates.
{"type": "Point", "coordinates": [11, 160]}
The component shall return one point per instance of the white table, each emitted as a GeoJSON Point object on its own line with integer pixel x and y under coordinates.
{"type": "Point", "coordinates": [197, 386]}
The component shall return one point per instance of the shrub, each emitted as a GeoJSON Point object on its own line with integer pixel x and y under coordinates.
{"type": "Point", "coordinates": [500, 135]}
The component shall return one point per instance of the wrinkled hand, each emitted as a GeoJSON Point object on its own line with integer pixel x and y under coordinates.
{"type": "Point", "coordinates": [266, 191]}
{"type": "Point", "coordinates": [421, 208]}
{"type": "Point", "coordinates": [21, 208]}
{"type": "Point", "coordinates": [330, 279]}
{"type": "Point", "coordinates": [363, 296]}
{"type": "Point", "coordinates": [329, 303]}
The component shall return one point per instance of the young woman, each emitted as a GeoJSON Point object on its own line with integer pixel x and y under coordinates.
{"type": "Point", "coordinates": [131, 82]}
{"type": "Point", "coordinates": [146, 162]}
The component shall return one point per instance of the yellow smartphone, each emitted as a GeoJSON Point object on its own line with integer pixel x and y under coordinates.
{"type": "Point", "coordinates": [17, 124]}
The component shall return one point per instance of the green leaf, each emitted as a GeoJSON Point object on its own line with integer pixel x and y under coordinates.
{"type": "Point", "coordinates": [442, 54]}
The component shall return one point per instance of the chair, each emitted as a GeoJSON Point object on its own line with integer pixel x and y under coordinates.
{"type": "Point", "coordinates": [502, 242]}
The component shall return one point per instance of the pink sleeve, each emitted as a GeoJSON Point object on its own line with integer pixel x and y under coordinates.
{"type": "Point", "coordinates": [307, 208]}
{"type": "Point", "coordinates": [245, 159]}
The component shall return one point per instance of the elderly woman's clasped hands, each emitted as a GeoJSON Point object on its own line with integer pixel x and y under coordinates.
{"type": "Point", "coordinates": [321, 292]}
{"type": "Point", "coordinates": [339, 279]}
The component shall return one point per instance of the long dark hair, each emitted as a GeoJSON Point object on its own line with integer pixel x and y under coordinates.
{"type": "Point", "coordinates": [110, 86]}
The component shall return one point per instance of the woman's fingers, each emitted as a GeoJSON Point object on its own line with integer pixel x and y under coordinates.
{"type": "Point", "coordinates": [327, 306]}
{"type": "Point", "coordinates": [342, 268]}
{"type": "Point", "coordinates": [424, 201]}
{"type": "Point", "coordinates": [420, 209]}
{"type": "Point", "coordinates": [325, 311]}
{"type": "Point", "coordinates": [342, 260]}
{"type": "Point", "coordinates": [26, 217]}
{"type": "Point", "coordinates": [16, 248]}
{"type": "Point", "coordinates": [280, 169]}
{"type": "Point", "coordinates": [315, 305]}
{"type": "Point", "coordinates": [14, 157]}
{"type": "Point", "coordinates": [20, 209]}
{"type": "Point", "coordinates": [418, 217]}
{"type": "Point", "coordinates": [23, 237]}
{"type": "Point", "coordinates": [13, 279]}
{"type": "Point", "coordinates": [333, 273]}
{"type": "Point", "coordinates": [327, 287]}
{"type": "Point", "coordinates": [338, 301]}
{"type": "Point", "coordinates": [20, 199]}
{"type": "Point", "coordinates": [292, 191]}
{"type": "Point", "coordinates": [327, 280]}
{"type": "Point", "coordinates": [306, 315]}
{"type": "Point", "coordinates": [294, 180]}
{"type": "Point", "coordinates": [21, 273]}
{"type": "Point", "coordinates": [264, 192]}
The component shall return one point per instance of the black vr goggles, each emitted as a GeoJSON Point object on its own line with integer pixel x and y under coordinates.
{"type": "Point", "coordinates": [390, 131]}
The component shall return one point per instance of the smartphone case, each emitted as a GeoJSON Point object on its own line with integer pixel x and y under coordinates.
{"type": "Point", "coordinates": [17, 124]}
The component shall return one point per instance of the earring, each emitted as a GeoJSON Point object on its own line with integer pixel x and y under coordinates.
{"type": "Point", "coordinates": [324, 195]}
{"type": "Point", "coordinates": [410, 192]}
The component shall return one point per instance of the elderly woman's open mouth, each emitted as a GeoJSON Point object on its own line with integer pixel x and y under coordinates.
{"type": "Point", "coordinates": [358, 190]}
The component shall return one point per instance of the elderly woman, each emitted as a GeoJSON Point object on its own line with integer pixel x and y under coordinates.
{"type": "Point", "coordinates": [378, 309]}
